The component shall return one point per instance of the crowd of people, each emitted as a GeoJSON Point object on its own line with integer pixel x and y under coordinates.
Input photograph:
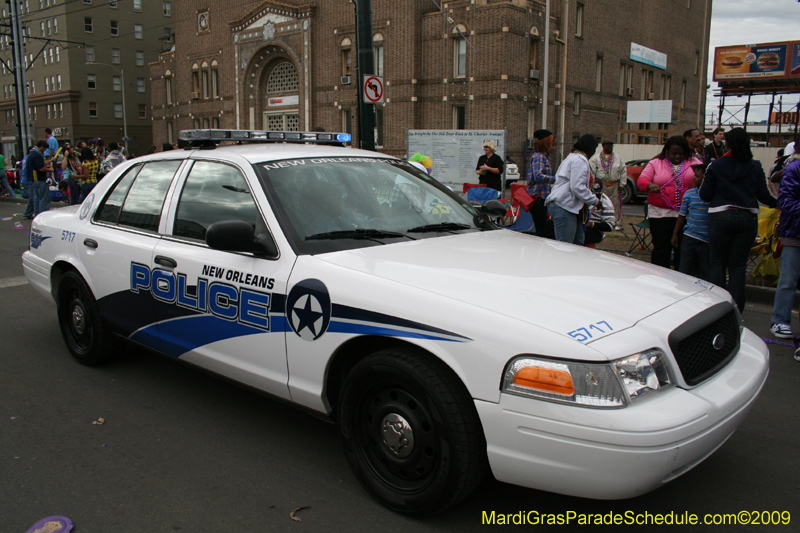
{"type": "Point", "coordinates": [702, 206]}
{"type": "Point", "coordinates": [73, 169]}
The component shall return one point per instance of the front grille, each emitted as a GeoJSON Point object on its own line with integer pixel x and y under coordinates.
{"type": "Point", "coordinates": [692, 344]}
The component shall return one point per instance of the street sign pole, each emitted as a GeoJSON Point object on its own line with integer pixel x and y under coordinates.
{"type": "Point", "coordinates": [364, 66]}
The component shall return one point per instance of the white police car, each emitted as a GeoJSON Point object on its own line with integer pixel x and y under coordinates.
{"type": "Point", "coordinates": [350, 283]}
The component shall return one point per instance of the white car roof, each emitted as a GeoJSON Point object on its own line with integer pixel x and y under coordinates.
{"type": "Point", "coordinates": [260, 152]}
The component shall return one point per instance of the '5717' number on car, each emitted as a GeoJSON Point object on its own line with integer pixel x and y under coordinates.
{"type": "Point", "coordinates": [584, 334]}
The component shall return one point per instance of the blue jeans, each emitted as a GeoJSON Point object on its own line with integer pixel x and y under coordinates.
{"type": "Point", "coordinates": [28, 188]}
{"type": "Point", "coordinates": [4, 181]}
{"type": "Point", "coordinates": [74, 191]}
{"type": "Point", "coordinates": [787, 285]}
{"type": "Point", "coordinates": [86, 188]}
{"type": "Point", "coordinates": [566, 225]}
{"type": "Point", "coordinates": [41, 197]}
{"type": "Point", "coordinates": [731, 234]}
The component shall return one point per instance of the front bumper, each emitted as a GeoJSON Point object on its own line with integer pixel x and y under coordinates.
{"type": "Point", "coordinates": [621, 453]}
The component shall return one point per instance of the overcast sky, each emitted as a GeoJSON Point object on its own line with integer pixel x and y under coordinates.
{"type": "Point", "coordinates": [736, 22]}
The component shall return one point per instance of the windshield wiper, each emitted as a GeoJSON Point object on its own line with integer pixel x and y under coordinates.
{"type": "Point", "coordinates": [444, 226]}
{"type": "Point", "coordinates": [356, 234]}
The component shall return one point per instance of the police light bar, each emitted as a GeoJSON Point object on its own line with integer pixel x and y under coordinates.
{"type": "Point", "coordinates": [217, 136]}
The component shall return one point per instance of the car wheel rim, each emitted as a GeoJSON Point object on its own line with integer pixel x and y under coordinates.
{"type": "Point", "coordinates": [79, 325]}
{"type": "Point", "coordinates": [397, 438]}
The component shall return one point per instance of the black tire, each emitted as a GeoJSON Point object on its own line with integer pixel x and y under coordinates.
{"type": "Point", "coordinates": [628, 192]}
{"type": "Point", "coordinates": [85, 333]}
{"type": "Point", "coordinates": [438, 458]}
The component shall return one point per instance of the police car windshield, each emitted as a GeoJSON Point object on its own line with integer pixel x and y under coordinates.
{"type": "Point", "coordinates": [338, 195]}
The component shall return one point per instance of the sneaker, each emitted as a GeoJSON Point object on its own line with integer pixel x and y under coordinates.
{"type": "Point", "coordinates": [782, 331]}
{"type": "Point", "coordinates": [797, 355]}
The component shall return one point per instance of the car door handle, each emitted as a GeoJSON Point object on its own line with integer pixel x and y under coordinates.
{"type": "Point", "coordinates": [91, 243]}
{"type": "Point", "coordinates": [166, 261]}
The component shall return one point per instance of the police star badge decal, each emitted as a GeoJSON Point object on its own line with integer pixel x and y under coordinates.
{"type": "Point", "coordinates": [308, 309]}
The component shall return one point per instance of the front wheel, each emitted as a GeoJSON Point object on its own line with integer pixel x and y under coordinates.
{"type": "Point", "coordinates": [411, 432]}
{"type": "Point", "coordinates": [85, 334]}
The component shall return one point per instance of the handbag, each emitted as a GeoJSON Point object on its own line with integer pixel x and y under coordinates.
{"type": "Point", "coordinates": [525, 200]}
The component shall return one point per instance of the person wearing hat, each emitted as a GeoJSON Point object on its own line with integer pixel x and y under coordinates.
{"type": "Point", "coordinates": [490, 167]}
{"type": "Point", "coordinates": [610, 171]}
{"type": "Point", "coordinates": [540, 178]}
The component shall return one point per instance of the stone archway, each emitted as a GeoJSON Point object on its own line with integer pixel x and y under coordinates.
{"type": "Point", "coordinates": [273, 90]}
{"type": "Point", "coordinates": [281, 97]}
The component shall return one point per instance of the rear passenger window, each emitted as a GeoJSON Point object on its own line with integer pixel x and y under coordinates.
{"type": "Point", "coordinates": [213, 192]}
{"type": "Point", "coordinates": [113, 204]}
{"type": "Point", "coordinates": [145, 198]}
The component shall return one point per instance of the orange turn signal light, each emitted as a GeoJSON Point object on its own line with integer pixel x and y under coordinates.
{"type": "Point", "coordinates": [545, 379]}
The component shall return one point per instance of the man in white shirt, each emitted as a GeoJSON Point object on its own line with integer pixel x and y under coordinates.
{"type": "Point", "coordinates": [609, 169]}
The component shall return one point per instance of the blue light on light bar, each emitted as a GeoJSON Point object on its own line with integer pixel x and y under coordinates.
{"type": "Point", "coordinates": [344, 137]}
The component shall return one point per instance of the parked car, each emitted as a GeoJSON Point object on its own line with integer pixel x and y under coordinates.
{"type": "Point", "coordinates": [356, 286]}
{"type": "Point", "coordinates": [631, 190]}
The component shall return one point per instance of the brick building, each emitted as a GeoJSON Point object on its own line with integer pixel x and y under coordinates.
{"type": "Point", "coordinates": [474, 64]}
{"type": "Point", "coordinates": [76, 55]}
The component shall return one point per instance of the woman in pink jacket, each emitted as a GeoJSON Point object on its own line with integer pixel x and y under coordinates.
{"type": "Point", "coordinates": [667, 177]}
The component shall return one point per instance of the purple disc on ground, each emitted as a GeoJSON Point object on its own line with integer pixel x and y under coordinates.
{"type": "Point", "coordinates": [52, 524]}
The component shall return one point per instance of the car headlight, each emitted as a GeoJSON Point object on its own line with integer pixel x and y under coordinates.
{"type": "Point", "coordinates": [607, 385]}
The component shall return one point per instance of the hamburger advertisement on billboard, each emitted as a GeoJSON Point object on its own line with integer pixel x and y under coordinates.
{"type": "Point", "coordinates": [770, 61]}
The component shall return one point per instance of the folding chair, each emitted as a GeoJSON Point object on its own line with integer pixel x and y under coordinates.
{"type": "Point", "coordinates": [524, 223]}
{"type": "Point", "coordinates": [641, 236]}
{"type": "Point", "coordinates": [481, 195]}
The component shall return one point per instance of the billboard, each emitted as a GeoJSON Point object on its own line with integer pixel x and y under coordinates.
{"type": "Point", "coordinates": [768, 61]}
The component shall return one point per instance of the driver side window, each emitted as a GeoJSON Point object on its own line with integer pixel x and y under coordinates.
{"type": "Point", "coordinates": [213, 192]}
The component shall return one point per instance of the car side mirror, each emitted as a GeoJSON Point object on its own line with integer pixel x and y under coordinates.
{"type": "Point", "coordinates": [495, 208]}
{"type": "Point", "coordinates": [239, 236]}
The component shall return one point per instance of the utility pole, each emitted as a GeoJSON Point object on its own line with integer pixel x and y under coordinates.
{"type": "Point", "coordinates": [364, 66]}
{"type": "Point", "coordinates": [18, 52]}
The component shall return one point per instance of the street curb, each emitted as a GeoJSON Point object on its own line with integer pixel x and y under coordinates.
{"type": "Point", "coordinates": [766, 295]}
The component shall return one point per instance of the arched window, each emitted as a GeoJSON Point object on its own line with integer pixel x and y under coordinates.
{"type": "Point", "coordinates": [195, 81]}
{"type": "Point", "coordinates": [282, 79]}
{"type": "Point", "coordinates": [168, 86]}
{"type": "Point", "coordinates": [205, 86]}
{"type": "Point", "coordinates": [347, 56]}
{"type": "Point", "coordinates": [377, 54]}
{"type": "Point", "coordinates": [534, 33]}
{"type": "Point", "coordinates": [215, 79]}
{"type": "Point", "coordinates": [459, 51]}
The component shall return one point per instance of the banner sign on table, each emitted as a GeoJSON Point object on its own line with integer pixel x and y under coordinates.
{"type": "Point", "coordinates": [454, 153]}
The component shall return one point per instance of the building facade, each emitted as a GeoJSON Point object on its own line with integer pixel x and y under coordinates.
{"type": "Point", "coordinates": [77, 55]}
{"type": "Point", "coordinates": [464, 64]}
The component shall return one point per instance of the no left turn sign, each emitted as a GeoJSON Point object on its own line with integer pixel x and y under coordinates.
{"type": "Point", "coordinates": [372, 89]}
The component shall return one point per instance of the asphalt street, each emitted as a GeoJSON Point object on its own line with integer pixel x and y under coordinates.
{"type": "Point", "coordinates": [182, 450]}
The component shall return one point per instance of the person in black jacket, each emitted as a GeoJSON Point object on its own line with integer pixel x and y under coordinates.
{"type": "Point", "coordinates": [490, 167]}
{"type": "Point", "coordinates": [733, 186]}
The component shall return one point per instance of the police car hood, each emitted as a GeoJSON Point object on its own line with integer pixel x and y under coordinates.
{"type": "Point", "coordinates": [549, 284]}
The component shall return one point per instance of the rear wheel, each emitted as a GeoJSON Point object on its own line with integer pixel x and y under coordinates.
{"type": "Point", "coordinates": [410, 432]}
{"type": "Point", "coordinates": [82, 326]}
